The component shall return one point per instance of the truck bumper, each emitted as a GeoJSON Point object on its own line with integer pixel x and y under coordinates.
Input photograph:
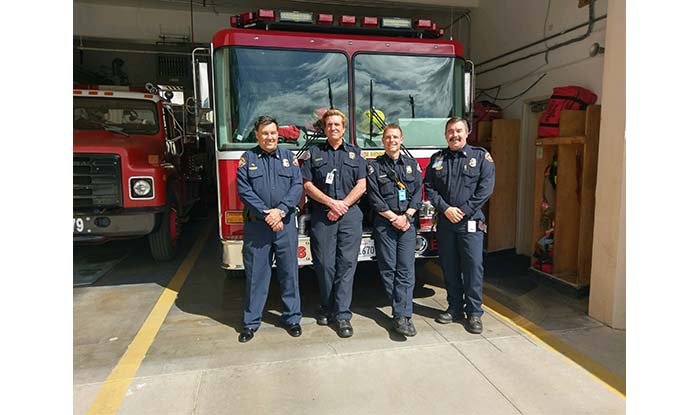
{"type": "Point", "coordinates": [95, 228]}
{"type": "Point", "coordinates": [232, 257]}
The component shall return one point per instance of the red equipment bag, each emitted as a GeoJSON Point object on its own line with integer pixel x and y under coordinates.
{"type": "Point", "coordinates": [483, 111]}
{"type": "Point", "coordinates": [563, 98]}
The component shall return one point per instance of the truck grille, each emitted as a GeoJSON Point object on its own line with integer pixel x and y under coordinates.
{"type": "Point", "coordinates": [96, 180]}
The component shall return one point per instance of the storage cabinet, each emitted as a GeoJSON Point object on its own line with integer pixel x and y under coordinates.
{"type": "Point", "coordinates": [576, 152]}
{"type": "Point", "coordinates": [501, 138]}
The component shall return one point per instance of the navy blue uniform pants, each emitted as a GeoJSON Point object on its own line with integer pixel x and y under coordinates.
{"type": "Point", "coordinates": [461, 258]}
{"type": "Point", "coordinates": [396, 261]}
{"type": "Point", "coordinates": [335, 247]}
{"type": "Point", "coordinates": [260, 242]}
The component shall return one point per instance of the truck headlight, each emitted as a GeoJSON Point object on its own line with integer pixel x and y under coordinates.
{"type": "Point", "coordinates": [141, 187]}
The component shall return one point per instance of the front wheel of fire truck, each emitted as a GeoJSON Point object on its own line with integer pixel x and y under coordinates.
{"type": "Point", "coordinates": [163, 241]}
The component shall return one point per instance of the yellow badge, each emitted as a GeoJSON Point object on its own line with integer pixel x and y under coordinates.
{"type": "Point", "coordinates": [285, 162]}
{"type": "Point", "coordinates": [351, 155]}
{"type": "Point", "coordinates": [472, 162]}
{"type": "Point", "coordinates": [242, 162]}
{"type": "Point", "coordinates": [409, 170]}
{"type": "Point", "coordinates": [252, 166]}
{"type": "Point", "coordinates": [488, 157]}
{"type": "Point", "coordinates": [438, 167]}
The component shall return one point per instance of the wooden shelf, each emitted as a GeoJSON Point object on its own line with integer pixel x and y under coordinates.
{"type": "Point", "coordinates": [574, 205]}
{"type": "Point", "coordinates": [501, 209]}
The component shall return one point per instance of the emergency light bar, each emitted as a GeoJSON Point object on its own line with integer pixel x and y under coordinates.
{"type": "Point", "coordinates": [293, 20]}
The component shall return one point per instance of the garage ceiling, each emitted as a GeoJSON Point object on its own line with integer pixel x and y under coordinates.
{"type": "Point", "coordinates": [229, 5]}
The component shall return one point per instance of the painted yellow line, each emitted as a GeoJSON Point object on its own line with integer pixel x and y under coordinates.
{"type": "Point", "coordinates": [594, 369]}
{"type": "Point", "coordinates": [113, 390]}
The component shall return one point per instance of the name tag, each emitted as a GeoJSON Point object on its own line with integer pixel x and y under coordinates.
{"type": "Point", "coordinates": [471, 226]}
{"type": "Point", "coordinates": [329, 177]}
{"type": "Point", "coordinates": [402, 195]}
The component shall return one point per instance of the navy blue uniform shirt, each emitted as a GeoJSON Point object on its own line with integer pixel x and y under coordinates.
{"type": "Point", "coordinates": [345, 162]}
{"type": "Point", "coordinates": [462, 179]}
{"type": "Point", "coordinates": [383, 191]}
{"type": "Point", "coordinates": [267, 181]}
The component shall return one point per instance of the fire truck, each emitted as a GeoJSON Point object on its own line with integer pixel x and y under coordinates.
{"type": "Point", "coordinates": [295, 65]}
{"type": "Point", "coordinates": [135, 171]}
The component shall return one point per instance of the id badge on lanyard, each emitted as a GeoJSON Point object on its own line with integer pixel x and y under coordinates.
{"type": "Point", "coordinates": [402, 195]}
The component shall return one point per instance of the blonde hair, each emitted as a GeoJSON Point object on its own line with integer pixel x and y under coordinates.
{"type": "Point", "coordinates": [332, 112]}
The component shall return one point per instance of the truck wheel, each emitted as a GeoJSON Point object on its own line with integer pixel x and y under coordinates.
{"type": "Point", "coordinates": [163, 241]}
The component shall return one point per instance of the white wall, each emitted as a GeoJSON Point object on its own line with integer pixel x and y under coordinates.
{"type": "Point", "coordinates": [502, 25]}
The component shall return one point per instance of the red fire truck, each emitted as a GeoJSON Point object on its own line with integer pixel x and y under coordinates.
{"type": "Point", "coordinates": [135, 171]}
{"type": "Point", "coordinates": [295, 65]}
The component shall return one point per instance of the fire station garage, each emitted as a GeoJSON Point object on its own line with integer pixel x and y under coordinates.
{"type": "Point", "coordinates": [165, 97]}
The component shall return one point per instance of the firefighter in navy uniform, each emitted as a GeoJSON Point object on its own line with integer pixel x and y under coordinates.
{"type": "Point", "coordinates": [394, 187]}
{"type": "Point", "coordinates": [335, 178]}
{"type": "Point", "coordinates": [458, 182]}
{"type": "Point", "coordinates": [270, 186]}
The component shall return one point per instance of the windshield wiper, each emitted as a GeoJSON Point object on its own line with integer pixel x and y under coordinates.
{"type": "Point", "coordinates": [373, 115]}
{"type": "Point", "coordinates": [114, 129]}
{"type": "Point", "coordinates": [312, 136]}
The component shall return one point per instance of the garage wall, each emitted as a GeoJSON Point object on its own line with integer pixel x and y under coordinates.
{"type": "Point", "coordinates": [145, 22]}
{"type": "Point", "coordinates": [500, 26]}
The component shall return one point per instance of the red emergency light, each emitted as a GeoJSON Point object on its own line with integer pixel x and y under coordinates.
{"type": "Point", "coordinates": [423, 24]}
{"type": "Point", "coordinates": [324, 18]}
{"type": "Point", "coordinates": [369, 22]}
{"type": "Point", "coordinates": [347, 20]}
{"type": "Point", "coordinates": [265, 14]}
{"type": "Point", "coordinates": [247, 17]}
{"type": "Point", "coordinates": [233, 20]}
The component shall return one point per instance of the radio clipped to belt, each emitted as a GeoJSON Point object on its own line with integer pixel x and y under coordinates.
{"type": "Point", "coordinates": [402, 187]}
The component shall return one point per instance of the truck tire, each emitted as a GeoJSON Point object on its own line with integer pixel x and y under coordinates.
{"type": "Point", "coordinates": [163, 240]}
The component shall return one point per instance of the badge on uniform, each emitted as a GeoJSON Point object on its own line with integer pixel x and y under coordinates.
{"type": "Point", "coordinates": [242, 162]}
{"type": "Point", "coordinates": [409, 170]}
{"type": "Point", "coordinates": [330, 176]}
{"type": "Point", "coordinates": [402, 195]}
{"type": "Point", "coordinates": [252, 166]}
{"type": "Point", "coordinates": [472, 162]}
{"type": "Point", "coordinates": [285, 162]}
{"type": "Point", "coordinates": [437, 164]}
{"type": "Point", "coordinates": [471, 226]}
{"type": "Point", "coordinates": [488, 157]}
{"type": "Point", "coordinates": [351, 155]}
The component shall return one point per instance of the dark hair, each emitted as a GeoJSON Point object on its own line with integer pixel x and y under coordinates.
{"type": "Point", "coordinates": [394, 126]}
{"type": "Point", "coordinates": [265, 120]}
{"type": "Point", "coordinates": [457, 119]}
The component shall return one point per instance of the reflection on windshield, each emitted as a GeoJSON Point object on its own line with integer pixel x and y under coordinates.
{"type": "Point", "coordinates": [415, 92]}
{"type": "Point", "coordinates": [291, 86]}
{"type": "Point", "coordinates": [130, 116]}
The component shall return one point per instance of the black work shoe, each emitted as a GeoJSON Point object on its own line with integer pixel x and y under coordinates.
{"type": "Point", "coordinates": [323, 319]}
{"type": "Point", "coordinates": [294, 330]}
{"type": "Point", "coordinates": [344, 328]}
{"type": "Point", "coordinates": [449, 317]}
{"type": "Point", "coordinates": [474, 325]}
{"type": "Point", "coordinates": [246, 335]}
{"type": "Point", "coordinates": [404, 326]}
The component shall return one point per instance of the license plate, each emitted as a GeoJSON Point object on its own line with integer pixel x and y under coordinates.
{"type": "Point", "coordinates": [82, 225]}
{"type": "Point", "coordinates": [366, 249]}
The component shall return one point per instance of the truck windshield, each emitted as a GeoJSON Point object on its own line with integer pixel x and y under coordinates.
{"type": "Point", "coordinates": [293, 86]}
{"type": "Point", "coordinates": [419, 93]}
{"type": "Point", "coordinates": [130, 116]}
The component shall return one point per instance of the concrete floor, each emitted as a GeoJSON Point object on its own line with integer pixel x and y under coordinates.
{"type": "Point", "coordinates": [196, 365]}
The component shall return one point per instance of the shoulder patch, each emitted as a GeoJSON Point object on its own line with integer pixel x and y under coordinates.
{"type": "Point", "coordinates": [305, 155]}
{"type": "Point", "coordinates": [242, 162]}
{"type": "Point", "coordinates": [418, 168]}
{"type": "Point", "coordinates": [488, 157]}
{"type": "Point", "coordinates": [370, 169]}
{"type": "Point", "coordinates": [295, 162]}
